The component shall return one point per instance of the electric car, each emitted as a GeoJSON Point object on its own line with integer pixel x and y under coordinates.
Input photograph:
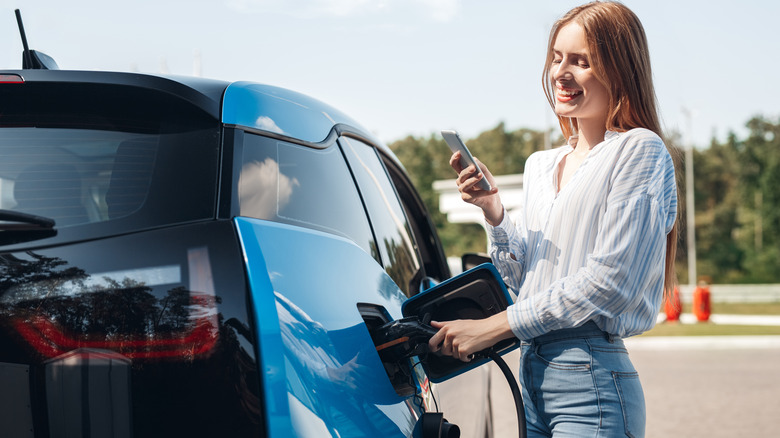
{"type": "Point", "coordinates": [192, 257]}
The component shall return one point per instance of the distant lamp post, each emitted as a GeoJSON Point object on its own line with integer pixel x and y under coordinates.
{"type": "Point", "coordinates": [689, 201]}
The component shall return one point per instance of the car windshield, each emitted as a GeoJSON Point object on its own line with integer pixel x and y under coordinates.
{"type": "Point", "coordinates": [82, 155]}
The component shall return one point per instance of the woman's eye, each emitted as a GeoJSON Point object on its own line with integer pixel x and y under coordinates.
{"type": "Point", "coordinates": [556, 61]}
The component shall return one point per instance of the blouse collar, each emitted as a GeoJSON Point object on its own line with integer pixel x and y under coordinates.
{"type": "Point", "coordinates": [607, 135]}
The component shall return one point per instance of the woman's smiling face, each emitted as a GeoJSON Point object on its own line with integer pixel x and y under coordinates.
{"type": "Point", "coordinates": [578, 93]}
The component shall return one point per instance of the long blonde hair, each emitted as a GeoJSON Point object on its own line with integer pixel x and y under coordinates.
{"type": "Point", "coordinates": [620, 60]}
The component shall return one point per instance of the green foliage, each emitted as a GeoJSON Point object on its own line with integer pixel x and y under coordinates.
{"type": "Point", "coordinates": [738, 206]}
{"type": "Point", "coordinates": [737, 195]}
{"type": "Point", "coordinates": [427, 160]}
{"type": "Point", "coordinates": [716, 178]}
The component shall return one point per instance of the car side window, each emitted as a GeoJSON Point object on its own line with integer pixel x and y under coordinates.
{"type": "Point", "coordinates": [391, 228]}
{"type": "Point", "coordinates": [429, 246]}
{"type": "Point", "coordinates": [303, 186]}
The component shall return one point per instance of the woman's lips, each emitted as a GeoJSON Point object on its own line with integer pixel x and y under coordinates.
{"type": "Point", "coordinates": [566, 95]}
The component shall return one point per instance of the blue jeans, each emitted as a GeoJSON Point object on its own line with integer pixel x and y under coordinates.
{"type": "Point", "coordinates": [581, 383]}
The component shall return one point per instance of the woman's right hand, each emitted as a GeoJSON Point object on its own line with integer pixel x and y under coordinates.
{"type": "Point", "coordinates": [488, 200]}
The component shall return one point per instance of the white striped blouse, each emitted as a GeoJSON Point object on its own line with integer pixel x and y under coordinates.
{"type": "Point", "coordinates": [596, 249]}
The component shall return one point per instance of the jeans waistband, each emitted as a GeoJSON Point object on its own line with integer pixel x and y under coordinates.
{"type": "Point", "coordinates": [587, 330]}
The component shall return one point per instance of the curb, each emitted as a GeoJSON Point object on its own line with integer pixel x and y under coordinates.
{"type": "Point", "coordinates": [725, 319]}
{"type": "Point", "coordinates": [649, 343]}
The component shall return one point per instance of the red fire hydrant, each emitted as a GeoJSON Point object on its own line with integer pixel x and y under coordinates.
{"type": "Point", "coordinates": [701, 302]}
{"type": "Point", "coordinates": [673, 306]}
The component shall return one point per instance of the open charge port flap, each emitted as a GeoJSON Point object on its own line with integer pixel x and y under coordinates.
{"type": "Point", "coordinates": [475, 294]}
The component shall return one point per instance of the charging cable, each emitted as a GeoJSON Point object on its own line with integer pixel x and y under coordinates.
{"type": "Point", "coordinates": [516, 394]}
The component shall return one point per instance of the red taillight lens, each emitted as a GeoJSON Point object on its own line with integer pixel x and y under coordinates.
{"type": "Point", "coordinates": [11, 79]}
{"type": "Point", "coordinates": [49, 340]}
{"type": "Point", "coordinates": [119, 311]}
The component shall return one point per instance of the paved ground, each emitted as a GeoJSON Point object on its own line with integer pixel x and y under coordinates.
{"type": "Point", "coordinates": [711, 392]}
{"type": "Point", "coordinates": [693, 387]}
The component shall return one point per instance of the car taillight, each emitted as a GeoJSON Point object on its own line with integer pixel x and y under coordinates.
{"type": "Point", "coordinates": [49, 339]}
{"type": "Point", "coordinates": [122, 314]}
{"type": "Point", "coordinates": [11, 79]}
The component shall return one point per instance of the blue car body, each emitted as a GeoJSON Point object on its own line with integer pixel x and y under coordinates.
{"type": "Point", "coordinates": [270, 335]}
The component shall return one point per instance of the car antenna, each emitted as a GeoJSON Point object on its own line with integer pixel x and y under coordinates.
{"type": "Point", "coordinates": [33, 59]}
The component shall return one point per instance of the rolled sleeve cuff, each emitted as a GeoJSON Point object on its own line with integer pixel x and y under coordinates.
{"type": "Point", "coordinates": [504, 228]}
{"type": "Point", "coordinates": [502, 234]}
{"type": "Point", "coordinates": [524, 321]}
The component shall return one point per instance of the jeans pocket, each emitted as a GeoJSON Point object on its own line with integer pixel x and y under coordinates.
{"type": "Point", "coordinates": [632, 403]}
{"type": "Point", "coordinates": [565, 356]}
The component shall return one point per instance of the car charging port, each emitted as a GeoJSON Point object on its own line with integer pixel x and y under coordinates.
{"type": "Point", "coordinates": [476, 294]}
{"type": "Point", "coordinates": [402, 339]}
{"type": "Point", "coordinates": [396, 344]}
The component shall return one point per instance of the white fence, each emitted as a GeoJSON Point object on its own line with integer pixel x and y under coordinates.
{"type": "Point", "coordinates": [719, 293]}
{"type": "Point", "coordinates": [736, 293]}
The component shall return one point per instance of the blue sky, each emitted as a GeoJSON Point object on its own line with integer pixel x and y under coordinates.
{"type": "Point", "coordinates": [414, 67]}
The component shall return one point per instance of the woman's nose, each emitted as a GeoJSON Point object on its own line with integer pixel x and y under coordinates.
{"type": "Point", "coordinates": [560, 71]}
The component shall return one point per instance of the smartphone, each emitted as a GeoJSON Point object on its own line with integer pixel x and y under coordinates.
{"type": "Point", "coordinates": [466, 159]}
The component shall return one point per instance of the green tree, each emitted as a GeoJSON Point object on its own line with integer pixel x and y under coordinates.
{"type": "Point", "coordinates": [759, 180]}
{"type": "Point", "coordinates": [738, 206]}
{"type": "Point", "coordinates": [427, 160]}
{"type": "Point", "coordinates": [716, 173]}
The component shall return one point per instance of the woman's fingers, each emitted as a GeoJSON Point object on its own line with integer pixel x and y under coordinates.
{"type": "Point", "coordinates": [461, 338]}
{"type": "Point", "coordinates": [435, 343]}
{"type": "Point", "coordinates": [441, 342]}
{"type": "Point", "coordinates": [455, 162]}
{"type": "Point", "coordinates": [446, 341]}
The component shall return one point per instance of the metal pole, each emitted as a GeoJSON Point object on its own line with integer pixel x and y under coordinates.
{"type": "Point", "coordinates": [689, 201]}
{"type": "Point", "coordinates": [547, 131]}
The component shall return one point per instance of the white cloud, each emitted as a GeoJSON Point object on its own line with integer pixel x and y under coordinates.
{"type": "Point", "coordinates": [301, 8]}
{"type": "Point", "coordinates": [268, 124]}
{"type": "Point", "coordinates": [263, 190]}
{"type": "Point", "coordinates": [342, 8]}
{"type": "Point", "coordinates": [438, 10]}
{"type": "Point", "coordinates": [442, 10]}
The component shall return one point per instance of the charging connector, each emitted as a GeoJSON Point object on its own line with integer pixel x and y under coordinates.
{"type": "Point", "coordinates": [402, 339]}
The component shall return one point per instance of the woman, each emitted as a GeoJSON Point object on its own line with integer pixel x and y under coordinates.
{"type": "Point", "coordinates": [593, 249]}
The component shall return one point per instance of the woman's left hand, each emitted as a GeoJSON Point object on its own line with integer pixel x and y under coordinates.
{"type": "Point", "coordinates": [464, 337]}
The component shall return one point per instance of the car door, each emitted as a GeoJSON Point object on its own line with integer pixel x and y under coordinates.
{"type": "Point", "coordinates": [412, 253]}
{"type": "Point", "coordinates": [312, 260]}
{"type": "Point", "coordinates": [394, 196]}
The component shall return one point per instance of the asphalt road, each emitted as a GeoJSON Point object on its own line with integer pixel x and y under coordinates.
{"type": "Point", "coordinates": [713, 391]}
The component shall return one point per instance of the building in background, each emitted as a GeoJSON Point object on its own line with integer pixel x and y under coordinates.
{"type": "Point", "coordinates": [457, 211]}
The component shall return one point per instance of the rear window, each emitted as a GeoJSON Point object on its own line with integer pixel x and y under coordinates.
{"type": "Point", "coordinates": [102, 158]}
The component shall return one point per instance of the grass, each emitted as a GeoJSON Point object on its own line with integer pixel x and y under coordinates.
{"type": "Point", "coordinates": [710, 329]}
{"type": "Point", "coordinates": [743, 308]}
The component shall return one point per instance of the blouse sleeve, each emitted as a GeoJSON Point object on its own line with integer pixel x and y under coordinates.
{"type": "Point", "coordinates": [507, 250]}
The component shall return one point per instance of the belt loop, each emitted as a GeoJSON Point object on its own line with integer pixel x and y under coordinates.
{"type": "Point", "coordinates": [611, 338]}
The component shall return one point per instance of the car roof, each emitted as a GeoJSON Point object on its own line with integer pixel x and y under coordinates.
{"type": "Point", "coordinates": [270, 109]}
{"type": "Point", "coordinates": [281, 111]}
{"type": "Point", "coordinates": [204, 93]}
